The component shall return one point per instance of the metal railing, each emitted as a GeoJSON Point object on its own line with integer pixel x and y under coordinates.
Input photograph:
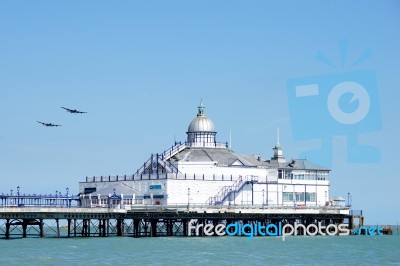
{"type": "Point", "coordinates": [202, 206]}
{"type": "Point", "coordinates": [32, 200]}
{"type": "Point", "coordinates": [179, 146]}
{"type": "Point", "coordinates": [155, 176]}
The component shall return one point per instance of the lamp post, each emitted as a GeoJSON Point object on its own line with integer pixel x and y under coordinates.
{"type": "Point", "coordinates": [67, 189]}
{"type": "Point", "coordinates": [18, 196]}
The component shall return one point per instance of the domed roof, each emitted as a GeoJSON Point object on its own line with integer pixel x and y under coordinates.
{"type": "Point", "coordinates": [201, 123]}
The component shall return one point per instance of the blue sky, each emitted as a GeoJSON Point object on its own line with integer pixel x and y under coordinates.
{"type": "Point", "coordinates": [139, 68]}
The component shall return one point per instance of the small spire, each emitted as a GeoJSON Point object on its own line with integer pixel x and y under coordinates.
{"type": "Point", "coordinates": [277, 136]}
{"type": "Point", "coordinates": [278, 152]}
{"type": "Point", "coordinates": [201, 108]}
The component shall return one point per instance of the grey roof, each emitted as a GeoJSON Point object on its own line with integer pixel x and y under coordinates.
{"type": "Point", "coordinates": [304, 164]}
{"type": "Point", "coordinates": [255, 160]}
{"type": "Point", "coordinates": [222, 156]}
{"type": "Point", "coordinates": [120, 188]}
{"type": "Point", "coordinates": [227, 157]}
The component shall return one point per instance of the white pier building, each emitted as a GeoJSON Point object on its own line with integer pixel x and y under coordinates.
{"type": "Point", "coordinates": [203, 172]}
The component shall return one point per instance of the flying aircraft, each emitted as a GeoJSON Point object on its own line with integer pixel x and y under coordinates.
{"type": "Point", "coordinates": [48, 124]}
{"type": "Point", "coordinates": [73, 111]}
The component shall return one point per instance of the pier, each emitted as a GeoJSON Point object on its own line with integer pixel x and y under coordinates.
{"type": "Point", "coordinates": [149, 221]}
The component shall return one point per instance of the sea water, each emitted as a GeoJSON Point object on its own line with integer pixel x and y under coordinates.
{"type": "Point", "coordinates": [225, 250]}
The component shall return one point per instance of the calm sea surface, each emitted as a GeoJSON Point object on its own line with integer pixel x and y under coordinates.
{"type": "Point", "coordinates": [297, 250]}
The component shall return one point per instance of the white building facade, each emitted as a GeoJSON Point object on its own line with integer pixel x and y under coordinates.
{"type": "Point", "coordinates": [201, 171]}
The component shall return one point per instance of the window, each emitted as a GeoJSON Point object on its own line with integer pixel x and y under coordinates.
{"type": "Point", "coordinates": [287, 196]}
{"type": "Point", "coordinates": [310, 196]}
{"type": "Point", "coordinates": [298, 196]}
{"type": "Point", "coordinates": [138, 201]}
{"type": "Point", "coordinates": [128, 201]}
{"type": "Point", "coordinates": [89, 190]}
{"type": "Point", "coordinates": [288, 175]}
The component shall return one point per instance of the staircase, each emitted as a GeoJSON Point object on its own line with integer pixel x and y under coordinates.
{"type": "Point", "coordinates": [161, 161]}
{"type": "Point", "coordinates": [178, 147]}
{"type": "Point", "coordinates": [155, 165]}
{"type": "Point", "coordinates": [226, 192]}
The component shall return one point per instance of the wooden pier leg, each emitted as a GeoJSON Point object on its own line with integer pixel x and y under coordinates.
{"type": "Point", "coordinates": [104, 228]}
{"type": "Point", "coordinates": [351, 223]}
{"type": "Point", "coordinates": [83, 233]}
{"type": "Point", "coordinates": [74, 227]}
{"type": "Point", "coordinates": [120, 227]}
{"type": "Point", "coordinates": [69, 227]}
{"type": "Point", "coordinates": [41, 231]}
{"type": "Point", "coordinates": [7, 229]}
{"type": "Point", "coordinates": [100, 228]}
{"type": "Point", "coordinates": [88, 228]}
{"type": "Point", "coordinates": [203, 222]}
{"type": "Point", "coordinates": [108, 227]}
{"type": "Point", "coordinates": [136, 223]}
{"type": "Point", "coordinates": [58, 228]}
{"type": "Point", "coordinates": [170, 227]}
{"type": "Point", "coordinates": [145, 227]}
{"type": "Point", "coordinates": [185, 223]}
{"type": "Point", "coordinates": [167, 225]}
{"type": "Point", "coordinates": [153, 228]}
{"type": "Point", "coordinates": [24, 226]}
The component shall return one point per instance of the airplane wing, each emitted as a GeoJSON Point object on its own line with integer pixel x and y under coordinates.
{"type": "Point", "coordinates": [69, 110]}
{"type": "Point", "coordinates": [74, 111]}
{"type": "Point", "coordinates": [48, 124]}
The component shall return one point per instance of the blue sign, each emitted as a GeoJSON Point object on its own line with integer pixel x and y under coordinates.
{"type": "Point", "coordinates": [155, 186]}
